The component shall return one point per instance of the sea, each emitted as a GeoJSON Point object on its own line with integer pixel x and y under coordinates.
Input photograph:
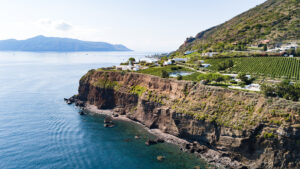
{"type": "Point", "coordinates": [39, 130]}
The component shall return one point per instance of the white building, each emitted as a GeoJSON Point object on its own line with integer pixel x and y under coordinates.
{"type": "Point", "coordinates": [169, 62]}
{"type": "Point", "coordinates": [206, 65]}
{"type": "Point", "coordinates": [209, 54]}
{"type": "Point", "coordinates": [128, 67]}
{"type": "Point", "coordinates": [180, 59]}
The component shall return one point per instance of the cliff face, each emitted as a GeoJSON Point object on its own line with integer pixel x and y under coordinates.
{"type": "Point", "coordinates": [256, 131]}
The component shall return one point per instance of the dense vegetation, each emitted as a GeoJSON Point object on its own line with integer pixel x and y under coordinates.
{"type": "Point", "coordinates": [285, 89]}
{"type": "Point", "coordinates": [209, 77]}
{"type": "Point", "coordinates": [275, 20]}
{"type": "Point", "coordinates": [278, 67]}
{"type": "Point", "coordinates": [225, 65]}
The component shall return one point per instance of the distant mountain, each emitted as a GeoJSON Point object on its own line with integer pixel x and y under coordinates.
{"type": "Point", "coordinates": [274, 20]}
{"type": "Point", "coordinates": [42, 43]}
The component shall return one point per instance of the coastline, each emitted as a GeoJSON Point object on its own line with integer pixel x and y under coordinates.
{"type": "Point", "coordinates": [92, 109]}
{"type": "Point", "coordinates": [212, 157]}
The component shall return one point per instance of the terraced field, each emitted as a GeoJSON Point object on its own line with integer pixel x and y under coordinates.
{"type": "Point", "coordinates": [277, 67]}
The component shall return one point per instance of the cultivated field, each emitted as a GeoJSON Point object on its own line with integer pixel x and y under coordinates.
{"type": "Point", "coordinates": [276, 67]}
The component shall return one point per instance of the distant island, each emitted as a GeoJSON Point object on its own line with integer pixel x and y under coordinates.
{"type": "Point", "coordinates": [56, 44]}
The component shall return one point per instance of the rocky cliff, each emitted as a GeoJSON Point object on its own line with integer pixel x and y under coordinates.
{"type": "Point", "coordinates": [258, 132]}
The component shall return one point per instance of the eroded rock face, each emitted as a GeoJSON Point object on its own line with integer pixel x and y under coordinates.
{"type": "Point", "coordinates": [239, 126]}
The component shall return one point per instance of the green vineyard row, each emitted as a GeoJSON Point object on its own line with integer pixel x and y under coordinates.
{"type": "Point", "coordinates": [276, 67]}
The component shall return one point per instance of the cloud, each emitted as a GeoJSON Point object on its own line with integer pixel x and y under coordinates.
{"type": "Point", "coordinates": [63, 26]}
{"type": "Point", "coordinates": [60, 25]}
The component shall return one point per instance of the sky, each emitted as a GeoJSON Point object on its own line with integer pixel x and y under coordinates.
{"type": "Point", "coordinates": [141, 25]}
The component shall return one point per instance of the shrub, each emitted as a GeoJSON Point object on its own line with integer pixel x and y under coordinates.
{"type": "Point", "coordinates": [225, 65]}
{"type": "Point", "coordinates": [245, 79]}
{"type": "Point", "coordinates": [268, 135]}
{"type": "Point", "coordinates": [285, 90]}
{"type": "Point", "coordinates": [132, 60]}
{"type": "Point", "coordinates": [164, 74]}
{"type": "Point", "coordinates": [213, 77]}
{"type": "Point", "coordinates": [179, 77]}
{"type": "Point", "coordinates": [174, 68]}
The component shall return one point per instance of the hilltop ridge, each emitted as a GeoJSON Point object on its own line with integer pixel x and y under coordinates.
{"type": "Point", "coordinates": [42, 43]}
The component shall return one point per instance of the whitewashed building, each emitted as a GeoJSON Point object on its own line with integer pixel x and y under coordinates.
{"type": "Point", "coordinates": [168, 62]}
{"type": "Point", "coordinates": [206, 65]}
{"type": "Point", "coordinates": [128, 67]}
{"type": "Point", "coordinates": [210, 54]}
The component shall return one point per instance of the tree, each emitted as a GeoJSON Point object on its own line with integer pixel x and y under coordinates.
{"type": "Point", "coordinates": [297, 52]}
{"type": "Point", "coordinates": [292, 51]}
{"type": "Point", "coordinates": [242, 77]}
{"type": "Point", "coordinates": [265, 47]}
{"type": "Point", "coordinates": [164, 74]}
{"type": "Point", "coordinates": [179, 77]}
{"type": "Point", "coordinates": [132, 60]}
{"type": "Point", "coordinates": [225, 65]}
{"type": "Point", "coordinates": [213, 77]}
{"type": "Point", "coordinates": [268, 91]}
{"type": "Point", "coordinates": [245, 79]}
{"type": "Point", "coordinates": [284, 89]}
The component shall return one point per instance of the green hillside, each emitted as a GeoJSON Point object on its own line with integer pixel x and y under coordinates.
{"type": "Point", "coordinates": [275, 20]}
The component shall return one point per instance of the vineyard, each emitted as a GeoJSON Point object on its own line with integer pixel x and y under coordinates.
{"type": "Point", "coordinates": [276, 67]}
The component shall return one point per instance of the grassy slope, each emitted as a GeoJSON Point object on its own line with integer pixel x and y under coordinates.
{"type": "Point", "coordinates": [277, 20]}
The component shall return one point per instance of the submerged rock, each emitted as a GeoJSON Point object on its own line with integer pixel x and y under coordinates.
{"type": "Point", "coordinates": [150, 142]}
{"type": "Point", "coordinates": [160, 158]}
{"type": "Point", "coordinates": [187, 146]}
{"type": "Point", "coordinates": [109, 125]}
{"type": "Point", "coordinates": [159, 140]}
{"type": "Point", "coordinates": [79, 103]}
{"type": "Point", "coordinates": [108, 120]}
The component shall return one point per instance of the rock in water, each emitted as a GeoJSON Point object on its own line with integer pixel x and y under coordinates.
{"type": "Point", "coordinates": [81, 113]}
{"type": "Point", "coordinates": [109, 125]}
{"type": "Point", "coordinates": [150, 142]}
{"type": "Point", "coordinates": [159, 140]}
{"type": "Point", "coordinates": [160, 158]}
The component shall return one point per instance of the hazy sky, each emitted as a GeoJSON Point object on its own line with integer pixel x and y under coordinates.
{"type": "Point", "coordinates": [142, 25]}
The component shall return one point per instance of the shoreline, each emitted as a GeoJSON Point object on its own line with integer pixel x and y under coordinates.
{"type": "Point", "coordinates": [157, 132]}
{"type": "Point", "coordinates": [211, 157]}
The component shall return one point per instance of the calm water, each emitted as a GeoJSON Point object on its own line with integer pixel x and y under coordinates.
{"type": "Point", "coordinates": [38, 130]}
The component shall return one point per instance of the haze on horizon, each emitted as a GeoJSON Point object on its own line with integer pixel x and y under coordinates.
{"type": "Point", "coordinates": [138, 24]}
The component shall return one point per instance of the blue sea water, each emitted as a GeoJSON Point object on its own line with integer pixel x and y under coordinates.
{"type": "Point", "coordinates": [39, 130]}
